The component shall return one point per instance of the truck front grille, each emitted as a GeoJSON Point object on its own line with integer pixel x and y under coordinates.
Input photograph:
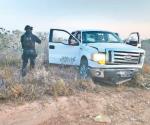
{"type": "Point", "coordinates": [122, 57]}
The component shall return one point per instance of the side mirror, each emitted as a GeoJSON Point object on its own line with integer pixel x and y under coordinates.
{"type": "Point", "coordinates": [133, 39]}
{"type": "Point", "coordinates": [132, 42]}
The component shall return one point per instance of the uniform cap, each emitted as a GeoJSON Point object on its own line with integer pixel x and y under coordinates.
{"type": "Point", "coordinates": [28, 27]}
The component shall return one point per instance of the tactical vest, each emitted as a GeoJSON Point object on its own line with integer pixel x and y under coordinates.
{"type": "Point", "coordinates": [28, 42]}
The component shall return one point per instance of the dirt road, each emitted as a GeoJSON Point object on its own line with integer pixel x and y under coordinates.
{"type": "Point", "coordinates": [114, 106]}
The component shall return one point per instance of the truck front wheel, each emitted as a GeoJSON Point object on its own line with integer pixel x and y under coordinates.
{"type": "Point", "coordinates": [84, 71]}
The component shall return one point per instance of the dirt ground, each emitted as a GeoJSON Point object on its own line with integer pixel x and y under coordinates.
{"type": "Point", "coordinates": [114, 106]}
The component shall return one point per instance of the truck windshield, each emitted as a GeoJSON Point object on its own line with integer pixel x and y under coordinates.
{"type": "Point", "coordinates": [100, 37]}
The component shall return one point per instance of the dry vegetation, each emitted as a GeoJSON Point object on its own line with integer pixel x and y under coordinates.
{"type": "Point", "coordinates": [54, 81]}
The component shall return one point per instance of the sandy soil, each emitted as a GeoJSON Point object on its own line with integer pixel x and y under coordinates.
{"type": "Point", "coordinates": [116, 106]}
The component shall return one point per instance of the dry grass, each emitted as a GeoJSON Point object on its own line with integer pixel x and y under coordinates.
{"type": "Point", "coordinates": [60, 89]}
{"type": "Point", "coordinates": [138, 80]}
{"type": "Point", "coordinates": [54, 81]}
{"type": "Point", "coordinates": [146, 69]}
{"type": "Point", "coordinates": [10, 60]}
{"type": "Point", "coordinates": [142, 78]}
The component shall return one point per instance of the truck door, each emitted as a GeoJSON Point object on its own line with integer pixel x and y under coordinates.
{"type": "Point", "coordinates": [63, 48]}
{"type": "Point", "coordinates": [134, 39]}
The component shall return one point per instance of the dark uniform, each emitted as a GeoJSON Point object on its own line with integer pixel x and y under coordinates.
{"type": "Point", "coordinates": [28, 45]}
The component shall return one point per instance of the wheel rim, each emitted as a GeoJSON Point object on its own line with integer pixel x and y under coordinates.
{"type": "Point", "coordinates": [84, 71]}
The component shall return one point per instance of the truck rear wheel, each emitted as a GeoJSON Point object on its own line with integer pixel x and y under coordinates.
{"type": "Point", "coordinates": [84, 71]}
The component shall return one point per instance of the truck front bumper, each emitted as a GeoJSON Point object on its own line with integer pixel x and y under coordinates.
{"type": "Point", "coordinates": [113, 76]}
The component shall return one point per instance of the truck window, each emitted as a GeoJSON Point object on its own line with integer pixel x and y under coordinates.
{"type": "Point", "coordinates": [72, 41]}
{"type": "Point", "coordinates": [60, 37]}
{"type": "Point", "coordinates": [112, 38]}
{"type": "Point", "coordinates": [133, 37]}
{"type": "Point", "coordinates": [78, 36]}
{"type": "Point", "coordinates": [100, 37]}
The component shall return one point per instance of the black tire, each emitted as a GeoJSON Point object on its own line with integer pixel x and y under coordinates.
{"type": "Point", "coordinates": [83, 70]}
{"type": "Point", "coordinates": [94, 80]}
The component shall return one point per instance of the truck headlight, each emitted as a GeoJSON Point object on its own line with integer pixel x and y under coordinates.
{"type": "Point", "coordinates": [99, 57]}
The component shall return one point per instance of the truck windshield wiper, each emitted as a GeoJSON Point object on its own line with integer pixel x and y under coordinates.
{"type": "Point", "coordinates": [114, 42]}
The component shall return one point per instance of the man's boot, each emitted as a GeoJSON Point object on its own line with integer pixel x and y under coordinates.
{"type": "Point", "coordinates": [24, 69]}
{"type": "Point", "coordinates": [24, 72]}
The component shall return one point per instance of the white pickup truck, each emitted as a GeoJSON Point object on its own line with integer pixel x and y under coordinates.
{"type": "Point", "coordinates": [99, 54]}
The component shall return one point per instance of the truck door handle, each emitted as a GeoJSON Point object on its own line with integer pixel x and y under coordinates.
{"type": "Point", "coordinates": [52, 47]}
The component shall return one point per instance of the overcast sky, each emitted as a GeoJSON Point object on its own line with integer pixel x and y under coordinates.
{"type": "Point", "coordinates": [123, 16]}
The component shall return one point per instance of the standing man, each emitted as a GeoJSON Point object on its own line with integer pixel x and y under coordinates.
{"type": "Point", "coordinates": [28, 45]}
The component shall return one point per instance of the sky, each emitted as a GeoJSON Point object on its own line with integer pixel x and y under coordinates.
{"type": "Point", "coordinates": [122, 16]}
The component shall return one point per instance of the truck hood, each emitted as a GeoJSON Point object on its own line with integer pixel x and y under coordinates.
{"type": "Point", "coordinates": [101, 47]}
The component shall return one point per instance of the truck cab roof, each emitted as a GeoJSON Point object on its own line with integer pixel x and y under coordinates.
{"type": "Point", "coordinates": [86, 30]}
